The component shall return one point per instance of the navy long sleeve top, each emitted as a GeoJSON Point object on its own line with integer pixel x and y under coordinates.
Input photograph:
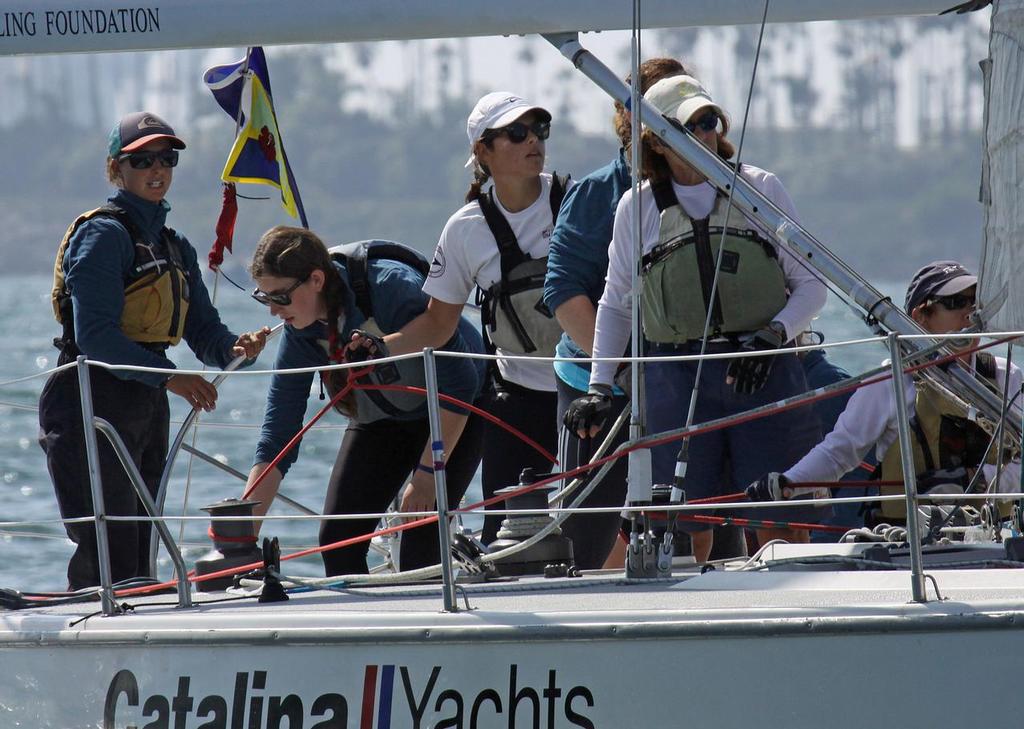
{"type": "Point", "coordinates": [578, 256]}
{"type": "Point", "coordinates": [396, 292]}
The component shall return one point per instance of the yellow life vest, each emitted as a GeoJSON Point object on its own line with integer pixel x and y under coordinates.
{"type": "Point", "coordinates": [156, 290]}
{"type": "Point", "coordinates": [944, 438]}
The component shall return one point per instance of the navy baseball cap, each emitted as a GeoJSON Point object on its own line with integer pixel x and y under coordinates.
{"type": "Point", "coordinates": [939, 278]}
{"type": "Point", "coordinates": [138, 129]}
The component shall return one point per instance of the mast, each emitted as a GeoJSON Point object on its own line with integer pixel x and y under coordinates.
{"type": "Point", "coordinates": [78, 26]}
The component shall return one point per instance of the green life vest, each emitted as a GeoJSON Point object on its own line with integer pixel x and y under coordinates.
{"type": "Point", "coordinates": [944, 438]}
{"type": "Point", "coordinates": [677, 274]}
{"type": "Point", "coordinates": [156, 290]}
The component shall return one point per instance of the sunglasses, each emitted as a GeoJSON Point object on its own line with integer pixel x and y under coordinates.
{"type": "Point", "coordinates": [955, 302]}
{"type": "Point", "coordinates": [145, 160]}
{"type": "Point", "coordinates": [283, 298]}
{"type": "Point", "coordinates": [706, 123]}
{"type": "Point", "coordinates": [517, 132]}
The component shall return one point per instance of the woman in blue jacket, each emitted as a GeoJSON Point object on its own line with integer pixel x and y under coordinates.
{"type": "Point", "coordinates": [314, 293]}
{"type": "Point", "coordinates": [127, 287]}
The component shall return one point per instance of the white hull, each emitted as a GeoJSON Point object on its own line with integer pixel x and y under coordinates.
{"type": "Point", "coordinates": [720, 650]}
{"type": "Point", "coordinates": [75, 26]}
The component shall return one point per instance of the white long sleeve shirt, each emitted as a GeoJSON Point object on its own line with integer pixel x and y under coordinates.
{"type": "Point", "coordinates": [870, 420]}
{"type": "Point", "coordinates": [807, 293]}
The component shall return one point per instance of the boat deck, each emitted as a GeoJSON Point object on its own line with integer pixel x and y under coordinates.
{"type": "Point", "coordinates": [595, 605]}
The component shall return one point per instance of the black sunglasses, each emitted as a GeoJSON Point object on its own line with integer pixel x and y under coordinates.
{"type": "Point", "coordinates": [707, 123]}
{"type": "Point", "coordinates": [145, 160]}
{"type": "Point", "coordinates": [517, 132]}
{"type": "Point", "coordinates": [955, 302]}
{"type": "Point", "coordinates": [284, 298]}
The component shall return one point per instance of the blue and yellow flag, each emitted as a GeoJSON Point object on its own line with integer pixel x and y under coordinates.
{"type": "Point", "coordinates": [257, 157]}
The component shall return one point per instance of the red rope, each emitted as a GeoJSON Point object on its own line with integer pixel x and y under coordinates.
{"type": "Point", "coordinates": [765, 524]}
{"type": "Point", "coordinates": [352, 375]}
{"type": "Point", "coordinates": [472, 408]}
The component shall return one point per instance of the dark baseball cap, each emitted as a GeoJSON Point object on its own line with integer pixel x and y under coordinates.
{"type": "Point", "coordinates": [138, 129]}
{"type": "Point", "coordinates": [939, 278]}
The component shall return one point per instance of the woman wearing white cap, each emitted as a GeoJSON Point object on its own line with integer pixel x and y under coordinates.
{"type": "Point", "coordinates": [949, 447]}
{"type": "Point", "coordinates": [764, 298]}
{"type": "Point", "coordinates": [498, 243]}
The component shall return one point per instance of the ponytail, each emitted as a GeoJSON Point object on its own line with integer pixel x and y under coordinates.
{"type": "Point", "coordinates": [480, 177]}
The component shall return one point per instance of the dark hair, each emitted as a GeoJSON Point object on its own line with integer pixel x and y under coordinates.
{"type": "Point", "coordinates": [480, 175]}
{"type": "Point", "coordinates": [654, 166]}
{"type": "Point", "coordinates": [288, 252]}
{"type": "Point", "coordinates": [651, 71]}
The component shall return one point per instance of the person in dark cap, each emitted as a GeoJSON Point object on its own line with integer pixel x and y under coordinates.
{"type": "Point", "coordinates": [125, 288]}
{"type": "Point", "coordinates": [949, 447]}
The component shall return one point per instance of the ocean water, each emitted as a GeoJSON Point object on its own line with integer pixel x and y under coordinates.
{"type": "Point", "coordinates": [34, 556]}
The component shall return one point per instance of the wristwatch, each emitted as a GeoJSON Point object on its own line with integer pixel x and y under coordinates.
{"type": "Point", "coordinates": [779, 328]}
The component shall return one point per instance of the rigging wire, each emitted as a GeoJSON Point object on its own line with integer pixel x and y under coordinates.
{"type": "Point", "coordinates": [684, 449]}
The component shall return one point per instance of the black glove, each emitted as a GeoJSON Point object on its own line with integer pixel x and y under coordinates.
{"type": "Point", "coordinates": [367, 346]}
{"type": "Point", "coordinates": [588, 411]}
{"type": "Point", "coordinates": [750, 373]}
{"type": "Point", "coordinates": [770, 487]}
{"type": "Point", "coordinates": [951, 481]}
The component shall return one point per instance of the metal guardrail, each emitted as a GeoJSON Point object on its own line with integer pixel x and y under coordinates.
{"type": "Point", "coordinates": [910, 497]}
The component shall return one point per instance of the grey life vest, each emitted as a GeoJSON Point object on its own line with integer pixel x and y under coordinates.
{"type": "Point", "coordinates": [367, 406]}
{"type": "Point", "coordinates": [677, 274]}
{"type": "Point", "coordinates": [512, 311]}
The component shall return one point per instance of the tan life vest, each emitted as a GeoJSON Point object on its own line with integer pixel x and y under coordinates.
{"type": "Point", "coordinates": [156, 293]}
{"type": "Point", "coordinates": [944, 437]}
{"type": "Point", "coordinates": [677, 274]}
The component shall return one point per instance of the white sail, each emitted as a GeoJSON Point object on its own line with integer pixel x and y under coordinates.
{"type": "Point", "coordinates": [75, 26]}
{"type": "Point", "coordinates": [1002, 262]}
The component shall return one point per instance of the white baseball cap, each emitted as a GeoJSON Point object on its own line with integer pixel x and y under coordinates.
{"type": "Point", "coordinates": [679, 96]}
{"type": "Point", "coordinates": [495, 110]}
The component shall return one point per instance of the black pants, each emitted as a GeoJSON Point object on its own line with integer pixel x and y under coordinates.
{"type": "Point", "coordinates": [594, 535]}
{"type": "Point", "coordinates": [373, 464]}
{"type": "Point", "coordinates": [531, 412]}
{"type": "Point", "coordinates": [141, 417]}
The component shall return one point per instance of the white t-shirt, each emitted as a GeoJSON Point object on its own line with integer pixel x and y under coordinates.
{"type": "Point", "coordinates": [807, 293]}
{"type": "Point", "coordinates": [870, 420]}
{"type": "Point", "coordinates": [467, 256]}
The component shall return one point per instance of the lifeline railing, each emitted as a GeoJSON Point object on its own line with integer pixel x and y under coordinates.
{"type": "Point", "coordinates": [895, 371]}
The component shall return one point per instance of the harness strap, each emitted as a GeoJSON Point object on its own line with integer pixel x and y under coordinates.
{"type": "Point", "coordinates": [508, 246]}
{"type": "Point", "coordinates": [706, 270]}
{"type": "Point", "coordinates": [665, 198]}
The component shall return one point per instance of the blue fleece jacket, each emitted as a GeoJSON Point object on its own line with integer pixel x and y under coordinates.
{"type": "Point", "coordinates": [578, 255]}
{"type": "Point", "coordinates": [396, 292]}
{"type": "Point", "coordinates": [96, 264]}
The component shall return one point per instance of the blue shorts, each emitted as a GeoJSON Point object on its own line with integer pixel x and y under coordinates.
{"type": "Point", "coordinates": [728, 460]}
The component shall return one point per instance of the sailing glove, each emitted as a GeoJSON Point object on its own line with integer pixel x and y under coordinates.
{"type": "Point", "coordinates": [749, 374]}
{"type": "Point", "coordinates": [366, 346]}
{"type": "Point", "coordinates": [588, 412]}
{"type": "Point", "coordinates": [777, 487]}
{"type": "Point", "coordinates": [770, 487]}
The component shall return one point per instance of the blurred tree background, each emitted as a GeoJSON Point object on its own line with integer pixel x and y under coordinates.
{"type": "Point", "coordinates": [393, 168]}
